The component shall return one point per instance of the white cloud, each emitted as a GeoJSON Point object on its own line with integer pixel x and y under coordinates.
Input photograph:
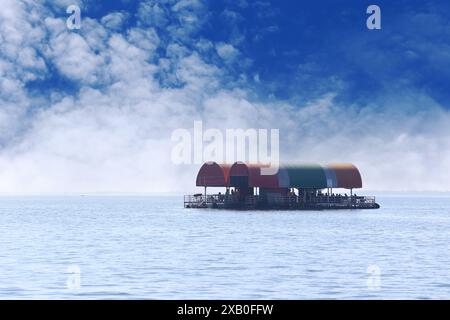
{"type": "Point", "coordinates": [113, 135]}
{"type": "Point", "coordinates": [114, 20]}
{"type": "Point", "coordinates": [147, 40]}
{"type": "Point", "coordinates": [62, 4]}
{"type": "Point", "coordinates": [20, 62]}
{"type": "Point", "coordinates": [152, 14]}
{"type": "Point", "coordinates": [227, 52]}
{"type": "Point", "coordinates": [74, 57]}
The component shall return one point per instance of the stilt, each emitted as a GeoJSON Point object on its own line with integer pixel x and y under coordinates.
{"type": "Point", "coordinates": [351, 197]}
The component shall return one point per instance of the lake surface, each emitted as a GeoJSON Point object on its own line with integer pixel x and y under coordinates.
{"type": "Point", "coordinates": [92, 247]}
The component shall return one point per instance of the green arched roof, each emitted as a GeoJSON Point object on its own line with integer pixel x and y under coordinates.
{"type": "Point", "coordinates": [306, 176]}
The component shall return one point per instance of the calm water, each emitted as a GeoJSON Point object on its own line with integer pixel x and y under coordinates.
{"type": "Point", "coordinates": [150, 247]}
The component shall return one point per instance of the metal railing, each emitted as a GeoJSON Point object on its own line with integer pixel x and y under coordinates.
{"type": "Point", "coordinates": [202, 201]}
{"type": "Point", "coordinates": [287, 201]}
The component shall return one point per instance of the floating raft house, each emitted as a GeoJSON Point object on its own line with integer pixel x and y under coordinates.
{"type": "Point", "coordinates": [294, 186]}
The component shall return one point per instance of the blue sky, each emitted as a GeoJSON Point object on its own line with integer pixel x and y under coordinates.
{"type": "Point", "coordinates": [92, 110]}
{"type": "Point", "coordinates": [299, 50]}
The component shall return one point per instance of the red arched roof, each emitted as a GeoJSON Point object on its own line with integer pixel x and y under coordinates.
{"type": "Point", "coordinates": [347, 175]}
{"type": "Point", "coordinates": [239, 169]}
{"type": "Point", "coordinates": [212, 174]}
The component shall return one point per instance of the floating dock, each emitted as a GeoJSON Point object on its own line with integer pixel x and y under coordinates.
{"type": "Point", "coordinates": [292, 187]}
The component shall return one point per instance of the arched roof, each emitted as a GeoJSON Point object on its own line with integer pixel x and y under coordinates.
{"type": "Point", "coordinates": [347, 175]}
{"type": "Point", "coordinates": [256, 178]}
{"type": "Point", "coordinates": [308, 175]}
{"type": "Point", "coordinates": [212, 174]}
{"type": "Point", "coordinates": [298, 175]}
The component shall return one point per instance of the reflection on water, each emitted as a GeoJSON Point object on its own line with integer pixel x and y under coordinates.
{"type": "Point", "coordinates": [150, 247]}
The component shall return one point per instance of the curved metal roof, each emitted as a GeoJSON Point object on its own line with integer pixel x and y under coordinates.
{"type": "Point", "coordinates": [212, 174]}
{"type": "Point", "coordinates": [256, 178]}
{"type": "Point", "coordinates": [306, 176]}
{"type": "Point", "coordinates": [347, 175]}
{"type": "Point", "coordinates": [299, 175]}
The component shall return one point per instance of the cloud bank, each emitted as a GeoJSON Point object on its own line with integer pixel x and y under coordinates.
{"type": "Point", "coordinates": [125, 88]}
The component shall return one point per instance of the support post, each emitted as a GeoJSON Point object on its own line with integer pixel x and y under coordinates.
{"type": "Point", "coordinates": [351, 196]}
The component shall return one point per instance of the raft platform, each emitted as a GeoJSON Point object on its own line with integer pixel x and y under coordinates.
{"type": "Point", "coordinates": [217, 201]}
{"type": "Point", "coordinates": [290, 187]}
